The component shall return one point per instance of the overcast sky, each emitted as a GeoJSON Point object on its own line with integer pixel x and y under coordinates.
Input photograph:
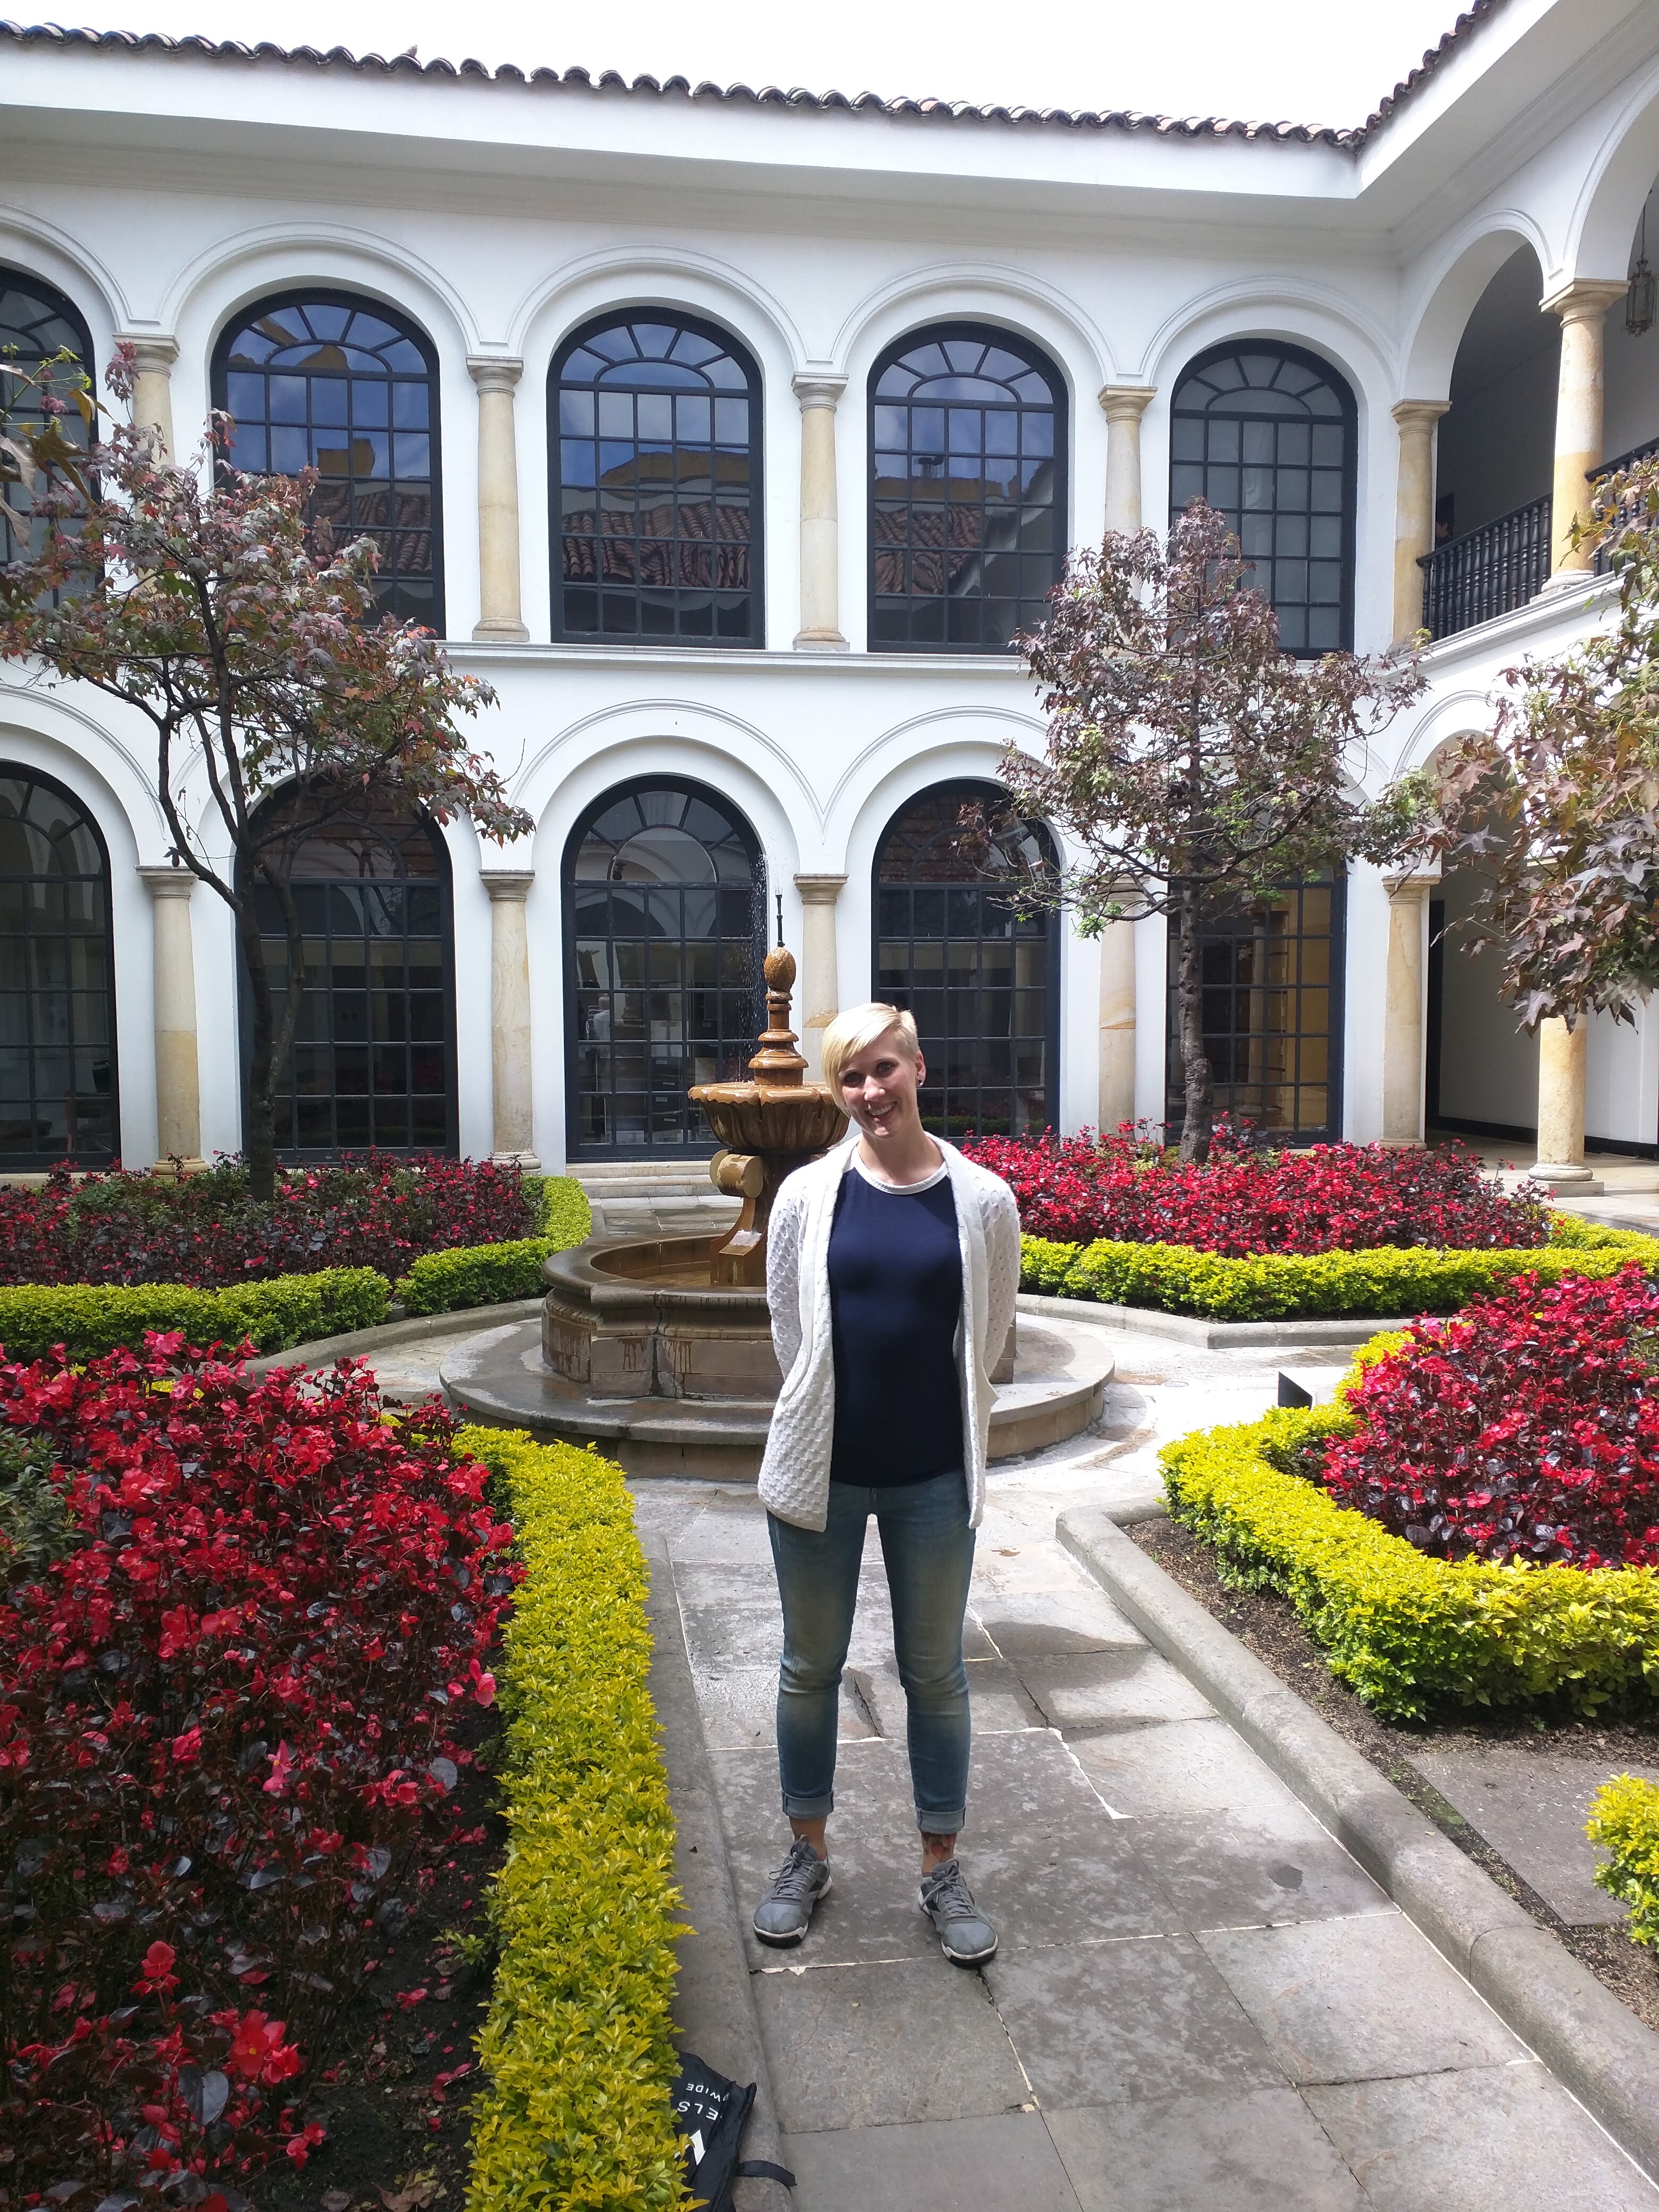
{"type": "Point", "coordinates": [1309, 61]}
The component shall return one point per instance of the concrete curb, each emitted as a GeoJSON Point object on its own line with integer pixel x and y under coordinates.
{"type": "Point", "coordinates": [1213, 1335]}
{"type": "Point", "coordinates": [714, 2013]}
{"type": "Point", "coordinates": [1600, 2051]}
{"type": "Point", "coordinates": [357, 1341]}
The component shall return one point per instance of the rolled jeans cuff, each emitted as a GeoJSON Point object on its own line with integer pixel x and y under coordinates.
{"type": "Point", "coordinates": [809, 1808]}
{"type": "Point", "coordinates": [942, 1824]}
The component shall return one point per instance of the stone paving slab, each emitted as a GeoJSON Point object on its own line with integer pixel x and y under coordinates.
{"type": "Point", "coordinates": [1221, 2150]}
{"type": "Point", "coordinates": [1006, 2164]}
{"type": "Point", "coordinates": [1532, 1811]}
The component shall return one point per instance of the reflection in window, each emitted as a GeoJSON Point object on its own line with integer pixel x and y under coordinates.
{"type": "Point", "coordinates": [1272, 1012]}
{"type": "Point", "coordinates": [968, 517]}
{"type": "Point", "coordinates": [656, 424]}
{"type": "Point", "coordinates": [35, 323]}
{"type": "Point", "coordinates": [665, 908]}
{"type": "Point", "coordinates": [345, 384]}
{"type": "Point", "coordinates": [982, 983]}
{"type": "Point", "coordinates": [57, 981]}
{"type": "Point", "coordinates": [372, 1058]}
{"type": "Point", "coordinates": [1266, 434]}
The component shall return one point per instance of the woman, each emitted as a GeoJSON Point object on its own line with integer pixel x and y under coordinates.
{"type": "Point", "coordinates": [892, 1271]}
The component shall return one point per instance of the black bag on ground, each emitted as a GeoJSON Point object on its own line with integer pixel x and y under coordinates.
{"type": "Point", "coordinates": [713, 2113]}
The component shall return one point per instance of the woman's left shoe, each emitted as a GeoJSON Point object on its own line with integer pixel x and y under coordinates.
{"type": "Point", "coordinates": [965, 1936]}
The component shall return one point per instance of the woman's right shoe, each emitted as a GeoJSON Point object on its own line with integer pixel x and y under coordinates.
{"type": "Point", "coordinates": [785, 1913]}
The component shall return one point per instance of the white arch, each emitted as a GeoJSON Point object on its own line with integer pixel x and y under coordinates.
{"type": "Point", "coordinates": [56, 722]}
{"type": "Point", "coordinates": [668, 277]}
{"type": "Point", "coordinates": [1450, 291]}
{"type": "Point", "coordinates": [985, 292]}
{"type": "Point", "coordinates": [975, 728]}
{"type": "Point", "coordinates": [227, 275]}
{"type": "Point", "coordinates": [716, 734]}
{"type": "Point", "coordinates": [1352, 339]}
{"type": "Point", "coordinates": [1450, 714]}
{"type": "Point", "coordinates": [1616, 183]}
{"type": "Point", "coordinates": [28, 241]}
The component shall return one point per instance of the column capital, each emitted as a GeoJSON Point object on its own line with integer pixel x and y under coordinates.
{"type": "Point", "coordinates": [153, 352]}
{"type": "Point", "coordinates": [1584, 297]}
{"type": "Point", "coordinates": [166, 882]}
{"type": "Point", "coordinates": [820, 890]}
{"type": "Point", "coordinates": [1418, 414]}
{"type": "Point", "coordinates": [510, 884]}
{"type": "Point", "coordinates": [1126, 403]}
{"type": "Point", "coordinates": [1415, 885]}
{"type": "Point", "coordinates": [816, 388]}
{"type": "Point", "coordinates": [493, 371]}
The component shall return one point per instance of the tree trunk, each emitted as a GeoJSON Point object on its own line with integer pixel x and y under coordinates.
{"type": "Point", "coordinates": [1197, 1084]}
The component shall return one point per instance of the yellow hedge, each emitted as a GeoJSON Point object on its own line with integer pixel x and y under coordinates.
{"type": "Point", "coordinates": [576, 2049]}
{"type": "Point", "coordinates": [1411, 1635]}
{"type": "Point", "coordinates": [1624, 1820]}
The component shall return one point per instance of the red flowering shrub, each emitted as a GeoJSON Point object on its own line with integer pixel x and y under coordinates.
{"type": "Point", "coordinates": [1526, 1427]}
{"type": "Point", "coordinates": [225, 1750]}
{"type": "Point", "coordinates": [380, 1211]}
{"type": "Point", "coordinates": [1333, 1198]}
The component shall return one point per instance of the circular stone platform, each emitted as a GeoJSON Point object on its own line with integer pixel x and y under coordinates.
{"type": "Point", "coordinates": [500, 1375]}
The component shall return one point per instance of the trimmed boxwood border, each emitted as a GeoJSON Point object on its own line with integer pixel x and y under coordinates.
{"type": "Point", "coordinates": [1293, 1285]}
{"type": "Point", "coordinates": [1409, 1634]}
{"type": "Point", "coordinates": [1625, 1822]}
{"type": "Point", "coordinates": [577, 2048]}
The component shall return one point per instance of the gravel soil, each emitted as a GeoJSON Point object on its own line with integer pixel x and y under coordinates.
{"type": "Point", "coordinates": [1267, 1624]}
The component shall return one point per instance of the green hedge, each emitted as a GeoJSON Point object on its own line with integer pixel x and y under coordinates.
{"type": "Point", "coordinates": [1624, 1820]}
{"type": "Point", "coordinates": [491, 1274]}
{"type": "Point", "coordinates": [1292, 1285]}
{"type": "Point", "coordinates": [89, 1318]}
{"type": "Point", "coordinates": [1411, 1635]}
{"type": "Point", "coordinates": [577, 2052]}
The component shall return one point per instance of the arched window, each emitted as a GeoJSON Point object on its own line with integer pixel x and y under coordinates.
{"type": "Point", "coordinates": [983, 981]}
{"type": "Point", "coordinates": [967, 490]}
{"type": "Point", "coordinates": [373, 1062]}
{"type": "Point", "coordinates": [37, 322]}
{"type": "Point", "coordinates": [655, 420]}
{"type": "Point", "coordinates": [1266, 434]}
{"type": "Point", "coordinates": [349, 385]}
{"type": "Point", "coordinates": [665, 902]}
{"type": "Point", "coordinates": [1272, 972]}
{"type": "Point", "coordinates": [58, 1097]}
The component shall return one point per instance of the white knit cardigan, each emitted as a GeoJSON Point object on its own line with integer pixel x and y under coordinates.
{"type": "Point", "coordinates": [794, 1476]}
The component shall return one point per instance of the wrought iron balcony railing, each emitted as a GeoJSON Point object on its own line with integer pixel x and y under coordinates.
{"type": "Point", "coordinates": [1612, 468]}
{"type": "Point", "coordinates": [1488, 571]}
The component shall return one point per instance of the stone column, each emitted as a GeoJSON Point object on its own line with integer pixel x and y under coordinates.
{"type": "Point", "coordinates": [152, 397]}
{"type": "Point", "coordinates": [820, 990]}
{"type": "Point", "coordinates": [1414, 513]}
{"type": "Point", "coordinates": [1117, 1025]}
{"type": "Point", "coordinates": [1582, 306]}
{"type": "Point", "coordinates": [1561, 1056]}
{"type": "Point", "coordinates": [820, 534]}
{"type": "Point", "coordinates": [1123, 406]}
{"type": "Point", "coordinates": [500, 615]}
{"type": "Point", "coordinates": [1405, 1010]}
{"type": "Point", "coordinates": [178, 1081]}
{"type": "Point", "coordinates": [509, 1015]}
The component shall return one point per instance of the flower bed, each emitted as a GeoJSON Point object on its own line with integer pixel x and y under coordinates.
{"type": "Point", "coordinates": [225, 1724]}
{"type": "Point", "coordinates": [1624, 1820]}
{"type": "Point", "coordinates": [206, 1231]}
{"type": "Point", "coordinates": [577, 2048]}
{"type": "Point", "coordinates": [1333, 1198]}
{"type": "Point", "coordinates": [1279, 1286]}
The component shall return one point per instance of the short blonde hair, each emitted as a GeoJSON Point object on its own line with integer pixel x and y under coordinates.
{"type": "Point", "coordinates": [856, 1028]}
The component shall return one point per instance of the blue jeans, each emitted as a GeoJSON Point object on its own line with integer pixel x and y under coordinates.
{"type": "Point", "coordinates": [928, 1550]}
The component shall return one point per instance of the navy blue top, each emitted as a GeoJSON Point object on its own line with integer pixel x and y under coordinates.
{"type": "Point", "coordinates": [895, 1300]}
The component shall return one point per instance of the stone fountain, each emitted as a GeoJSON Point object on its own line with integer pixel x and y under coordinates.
{"type": "Point", "coordinates": [660, 1351]}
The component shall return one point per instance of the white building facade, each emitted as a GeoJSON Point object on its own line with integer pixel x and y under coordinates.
{"type": "Point", "coordinates": [731, 437]}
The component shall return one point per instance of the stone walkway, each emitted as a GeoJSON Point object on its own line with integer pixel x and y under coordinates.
{"type": "Point", "coordinates": [1201, 2000]}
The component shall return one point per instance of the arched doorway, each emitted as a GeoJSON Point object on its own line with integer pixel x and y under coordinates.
{"type": "Point", "coordinates": [373, 1062]}
{"type": "Point", "coordinates": [664, 903]}
{"type": "Point", "coordinates": [58, 1087]}
{"type": "Point", "coordinates": [981, 980]}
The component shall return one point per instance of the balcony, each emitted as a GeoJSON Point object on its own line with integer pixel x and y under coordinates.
{"type": "Point", "coordinates": [1488, 571]}
{"type": "Point", "coordinates": [1611, 468]}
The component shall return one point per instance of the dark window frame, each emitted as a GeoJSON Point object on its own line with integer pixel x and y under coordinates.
{"type": "Point", "coordinates": [1038, 360]}
{"type": "Point", "coordinates": [965, 788]}
{"type": "Point", "coordinates": [1338, 384]}
{"type": "Point", "coordinates": [699, 1142]}
{"type": "Point", "coordinates": [299, 1155]}
{"type": "Point", "coordinates": [1330, 1131]}
{"type": "Point", "coordinates": [325, 295]}
{"type": "Point", "coordinates": [733, 347]}
{"type": "Point", "coordinates": [59, 304]}
{"type": "Point", "coordinates": [13, 1160]}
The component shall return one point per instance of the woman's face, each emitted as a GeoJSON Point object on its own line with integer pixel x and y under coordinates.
{"type": "Point", "coordinates": [878, 1087]}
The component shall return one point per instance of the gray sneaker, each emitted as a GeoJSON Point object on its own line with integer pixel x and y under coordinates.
{"type": "Point", "coordinates": [965, 1936]}
{"type": "Point", "coordinates": [785, 1912]}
